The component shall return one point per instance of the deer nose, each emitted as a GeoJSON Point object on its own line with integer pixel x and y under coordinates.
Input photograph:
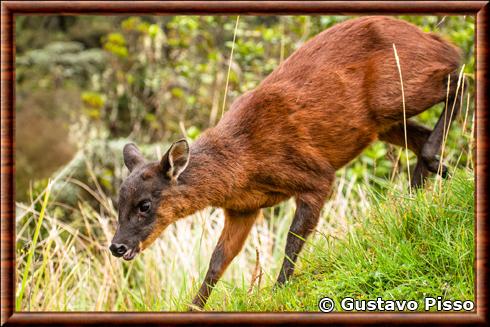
{"type": "Point", "coordinates": [118, 249]}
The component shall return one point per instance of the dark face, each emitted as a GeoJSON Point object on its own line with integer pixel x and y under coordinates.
{"type": "Point", "coordinates": [140, 197]}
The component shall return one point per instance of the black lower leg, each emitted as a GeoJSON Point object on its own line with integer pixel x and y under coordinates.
{"type": "Point", "coordinates": [212, 276]}
{"type": "Point", "coordinates": [429, 159]}
{"type": "Point", "coordinates": [305, 220]}
{"type": "Point", "coordinates": [431, 149]}
{"type": "Point", "coordinates": [419, 174]}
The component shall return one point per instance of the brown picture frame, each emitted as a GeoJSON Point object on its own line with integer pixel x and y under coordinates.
{"type": "Point", "coordinates": [9, 9]}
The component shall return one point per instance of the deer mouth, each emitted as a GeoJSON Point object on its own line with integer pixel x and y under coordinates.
{"type": "Point", "coordinates": [130, 254]}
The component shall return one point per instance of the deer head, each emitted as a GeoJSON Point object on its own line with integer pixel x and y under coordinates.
{"type": "Point", "coordinates": [143, 211]}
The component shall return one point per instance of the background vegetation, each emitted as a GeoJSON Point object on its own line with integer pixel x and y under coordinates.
{"type": "Point", "coordinates": [87, 85]}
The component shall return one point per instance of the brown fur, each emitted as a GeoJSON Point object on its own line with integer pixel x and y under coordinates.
{"type": "Point", "coordinates": [235, 232]}
{"type": "Point", "coordinates": [315, 113]}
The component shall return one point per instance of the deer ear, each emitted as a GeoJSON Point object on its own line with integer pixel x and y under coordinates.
{"type": "Point", "coordinates": [132, 156]}
{"type": "Point", "coordinates": [176, 159]}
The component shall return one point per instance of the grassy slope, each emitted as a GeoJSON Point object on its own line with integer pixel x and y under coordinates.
{"type": "Point", "coordinates": [405, 247]}
{"type": "Point", "coordinates": [409, 247]}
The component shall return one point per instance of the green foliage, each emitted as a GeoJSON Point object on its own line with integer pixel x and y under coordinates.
{"type": "Point", "coordinates": [93, 104]}
{"type": "Point", "coordinates": [116, 44]}
{"type": "Point", "coordinates": [170, 73]}
{"type": "Point", "coordinates": [60, 60]}
{"type": "Point", "coordinates": [18, 302]}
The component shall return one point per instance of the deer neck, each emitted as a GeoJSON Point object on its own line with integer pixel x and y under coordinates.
{"type": "Point", "coordinates": [208, 179]}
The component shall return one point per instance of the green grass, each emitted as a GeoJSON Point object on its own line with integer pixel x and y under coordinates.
{"type": "Point", "coordinates": [407, 248]}
{"type": "Point", "coordinates": [390, 244]}
{"type": "Point", "coordinates": [32, 248]}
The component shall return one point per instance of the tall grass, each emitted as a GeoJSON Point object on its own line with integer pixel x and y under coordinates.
{"type": "Point", "coordinates": [361, 235]}
{"type": "Point", "coordinates": [230, 60]}
{"type": "Point", "coordinates": [397, 59]}
{"type": "Point", "coordinates": [73, 269]}
{"type": "Point", "coordinates": [32, 248]}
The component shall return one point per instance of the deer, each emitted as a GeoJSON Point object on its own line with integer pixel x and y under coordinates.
{"type": "Point", "coordinates": [316, 112]}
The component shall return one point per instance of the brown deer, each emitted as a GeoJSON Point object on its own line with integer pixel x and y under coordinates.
{"type": "Point", "coordinates": [286, 138]}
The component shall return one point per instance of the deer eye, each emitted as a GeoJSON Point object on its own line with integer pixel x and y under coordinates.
{"type": "Point", "coordinates": [144, 206]}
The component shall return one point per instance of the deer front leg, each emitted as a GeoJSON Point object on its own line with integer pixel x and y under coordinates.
{"type": "Point", "coordinates": [305, 219]}
{"type": "Point", "coordinates": [235, 232]}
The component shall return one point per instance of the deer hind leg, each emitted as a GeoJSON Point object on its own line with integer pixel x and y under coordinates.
{"type": "Point", "coordinates": [308, 207]}
{"type": "Point", "coordinates": [432, 148]}
{"type": "Point", "coordinates": [417, 136]}
{"type": "Point", "coordinates": [424, 143]}
{"type": "Point", "coordinates": [235, 232]}
{"type": "Point", "coordinates": [429, 155]}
